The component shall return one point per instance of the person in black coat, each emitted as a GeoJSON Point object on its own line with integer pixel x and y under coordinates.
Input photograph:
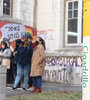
{"type": "Point", "coordinates": [23, 58]}
{"type": "Point", "coordinates": [30, 81]}
{"type": "Point", "coordinates": [14, 63]}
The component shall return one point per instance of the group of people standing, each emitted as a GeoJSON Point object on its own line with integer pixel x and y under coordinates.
{"type": "Point", "coordinates": [27, 60]}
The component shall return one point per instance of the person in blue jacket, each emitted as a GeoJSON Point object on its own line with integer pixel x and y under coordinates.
{"type": "Point", "coordinates": [23, 58]}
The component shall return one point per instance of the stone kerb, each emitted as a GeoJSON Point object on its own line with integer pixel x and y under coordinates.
{"type": "Point", "coordinates": [2, 82]}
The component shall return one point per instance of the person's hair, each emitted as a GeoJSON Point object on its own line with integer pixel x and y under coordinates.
{"type": "Point", "coordinates": [26, 42]}
{"type": "Point", "coordinates": [18, 42]}
{"type": "Point", "coordinates": [42, 42]}
{"type": "Point", "coordinates": [30, 37]}
{"type": "Point", "coordinates": [27, 36]}
{"type": "Point", "coordinates": [5, 44]}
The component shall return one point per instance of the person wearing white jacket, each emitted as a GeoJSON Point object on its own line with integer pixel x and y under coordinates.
{"type": "Point", "coordinates": [5, 54]}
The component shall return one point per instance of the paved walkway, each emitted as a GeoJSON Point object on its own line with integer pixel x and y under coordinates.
{"type": "Point", "coordinates": [46, 87]}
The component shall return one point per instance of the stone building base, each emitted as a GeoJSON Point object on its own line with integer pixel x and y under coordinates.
{"type": "Point", "coordinates": [63, 69]}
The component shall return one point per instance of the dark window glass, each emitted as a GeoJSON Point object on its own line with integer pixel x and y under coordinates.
{"type": "Point", "coordinates": [76, 5]}
{"type": "Point", "coordinates": [75, 13]}
{"type": "Point", "coordinates": [70, 6]}
{"type": "Point", "coordinates": [70, 14]}
{"type": "Point", "coordinates": [4, 10]}
{"type": "Point", "coordinates": [6, 7]}
{"type": "Point", "coordinates": [7, 11]}
{"type": "Point", "coordinates": [72, 39]}
{"type": "Point", "coordinates": [72, 25]}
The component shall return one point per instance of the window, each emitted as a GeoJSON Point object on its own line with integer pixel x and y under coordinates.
{"type": "Point", "coordinates": [74, 22]}
{"type": "Point", "coordinates": [6, 7]}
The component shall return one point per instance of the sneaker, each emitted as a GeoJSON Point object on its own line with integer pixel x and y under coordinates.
{"type": "Point", "coordinates": [24, 89]}
{"type": "Point", "coordinates": [30, 89]}
{"type": "Point", "coordinates": [14, 88]}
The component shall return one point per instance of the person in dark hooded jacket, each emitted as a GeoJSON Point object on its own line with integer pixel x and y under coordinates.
{"type": "Point", "coordinates": [14, 63]}
{"type": "Point", "coordinates": [23, 58]}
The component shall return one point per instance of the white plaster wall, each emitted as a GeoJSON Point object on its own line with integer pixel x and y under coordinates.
{"type": "Point", "coordinates": [23, 11]}
{"type": "Point", "coordinates": [58, 74]}
{"type": "Point", "coordinates": [50, 17]}
{"type": "Point", "coordinates": [1, 7]}
{"type": "Point", "coordinates": [63, 69]}
{"type": "Point", "coordinates": [58, 17]}
{"type": "Point", "coordinates": [44, 15]}
{"type": "Point", "coordinates": [15, 7]}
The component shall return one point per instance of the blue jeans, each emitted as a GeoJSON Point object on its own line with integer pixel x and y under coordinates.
{"type": "Point", "coordinates": [30, 82]}
{"type": "Point", "coordinates": [20, 71]}
{"type": "Point", "coordinates": [37, 81]}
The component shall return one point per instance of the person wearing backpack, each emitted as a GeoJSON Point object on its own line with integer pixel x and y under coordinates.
{"type": "Point", "coordinates": [5, 54]}
{"type": "Point", "coordinates": [23, 57]}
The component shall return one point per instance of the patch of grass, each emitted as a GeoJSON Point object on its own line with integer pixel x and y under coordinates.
{"type": "Point", "coordinates": [52, 96]}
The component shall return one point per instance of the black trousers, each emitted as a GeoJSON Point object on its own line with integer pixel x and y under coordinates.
{"type": "Point", "coordinates": [30, 82]}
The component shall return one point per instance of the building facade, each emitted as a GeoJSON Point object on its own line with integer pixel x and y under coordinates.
{"type": "Point", "coordinates": [60, 24]}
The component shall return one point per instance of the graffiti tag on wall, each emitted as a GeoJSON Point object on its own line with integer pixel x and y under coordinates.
{"type": "Point", "coordinates": [48, 37]}
{"type": "Point", "coordinates": [56, 69]}
{"type": "Point", "coordinates": [64, 61]}
{"type": "Point", "coordinates": [61, 75]}
{"type": "Point", "coordinates": [11, 32]}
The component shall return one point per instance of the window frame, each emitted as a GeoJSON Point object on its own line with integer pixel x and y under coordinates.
{"type": "Point", "coordinates": [79, 24]}
{"type": "Point", "coordinates": [5, 15]}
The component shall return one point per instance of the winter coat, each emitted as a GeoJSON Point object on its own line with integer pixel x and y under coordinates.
{"type": "Point", "coordinates": [38, 63]}
{"type": "Point", "coordinates": [24, 55]}
{"type": "Point", "coordinates": [5, 55]}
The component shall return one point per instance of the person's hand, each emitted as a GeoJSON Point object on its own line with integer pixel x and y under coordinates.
{"type": "Point", "coordinates": [0, 54]}
{"type": "Point", "coordinates": [14, 53]}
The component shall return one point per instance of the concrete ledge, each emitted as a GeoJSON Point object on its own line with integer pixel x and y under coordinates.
{"type": "Point", "coordinates": [9, 19]}
{"type": "Point", "coordinates": [2, 69]}
{"type": "Point", "coordinates": [64, 52]}
{"type": "Point", "coordinates": [2, 82]}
